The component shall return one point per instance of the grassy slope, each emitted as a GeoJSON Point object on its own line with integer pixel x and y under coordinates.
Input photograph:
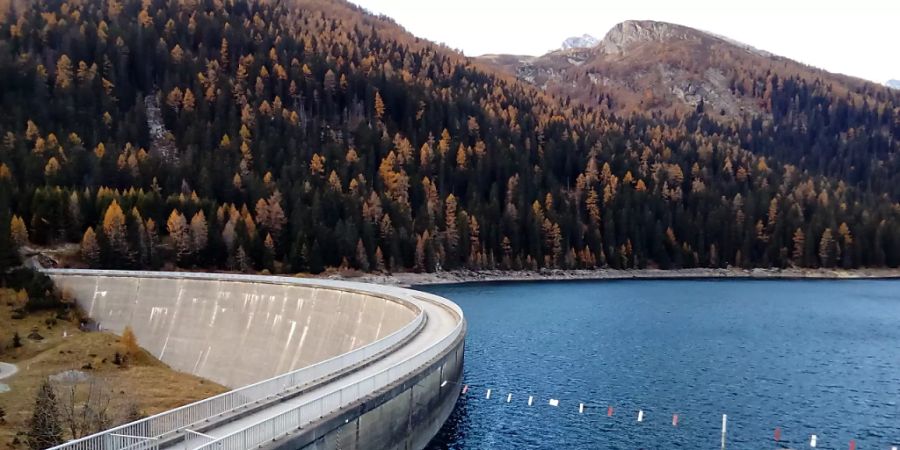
{"type": "Point", "coordinates": [146, 382]}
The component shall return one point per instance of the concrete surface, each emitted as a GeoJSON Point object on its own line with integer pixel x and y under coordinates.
{"type": "Point", "coordinates": [235, 332]}
{"type": "Point", "coordinates": [240, 329]}
{"type": "Point", "coordinates": [440, 320]}
{"type": "Point", "coordinates": [406, 416]}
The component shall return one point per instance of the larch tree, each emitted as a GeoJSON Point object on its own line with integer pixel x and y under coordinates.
{"type": "Point", "coordinates": [379, 260]}
{"type": "Point", "coordinates": [18, 231]}
{"type": "Point", "coordinates": [199, 232]}
{"type": "Point", "coordinates": [64, 72]}
{"type": "Point", "coordinates": [451, 234]}
{"type": "Point", "coordinates": [90, 248]}
{"type": "Point", "coordinates": [180, 234]}
{"type": "Point", "coordinates": [116, 233]}
{"type": "Point", "coordinates": [379, 106]}
{"type": "Point", "coordinates": [129, 342]}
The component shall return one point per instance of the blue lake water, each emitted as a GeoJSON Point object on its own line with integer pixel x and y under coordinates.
{"type": "Point", "coordinates": [809, 357]}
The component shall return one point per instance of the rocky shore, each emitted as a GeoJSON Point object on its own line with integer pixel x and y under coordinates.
{"type": "Point", "coordinates": [471, 276]}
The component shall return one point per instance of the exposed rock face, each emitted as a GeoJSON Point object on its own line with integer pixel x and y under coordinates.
{"type": "Point", "coordinates": [631, 32]}
{"type": "Point", "coordinates": [661, 67]}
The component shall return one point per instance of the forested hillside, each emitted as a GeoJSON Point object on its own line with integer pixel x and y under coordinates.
{"type": "Point", "coordinates": [299, 135]}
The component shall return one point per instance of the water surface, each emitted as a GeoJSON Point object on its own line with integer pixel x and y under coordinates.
{"type": "Point", "coordinates": [810, 357]}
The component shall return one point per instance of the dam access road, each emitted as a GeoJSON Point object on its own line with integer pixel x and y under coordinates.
{"type": "Point", "coordinates": [316, 364]}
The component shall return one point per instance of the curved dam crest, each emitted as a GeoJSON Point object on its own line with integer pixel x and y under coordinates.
{"type": "Point", "coordinates": [315, 363]}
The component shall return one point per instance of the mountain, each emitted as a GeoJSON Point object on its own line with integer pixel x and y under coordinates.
{"type": "Point", "coordinates": [305, 135]}
{"type": "Point", "coordinates": [895, 84]}
{"type": "Point", "coordinates": [668, 68]}
{"type": "Point", "coordinates": [583, 41]}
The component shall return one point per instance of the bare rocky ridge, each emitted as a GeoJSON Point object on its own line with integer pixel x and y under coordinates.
{"type": "Point", "coordinates": [583, 41]}
{"type": "Point", "coordinates": [660, 67]}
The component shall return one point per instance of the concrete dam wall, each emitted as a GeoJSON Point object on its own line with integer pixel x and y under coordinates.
{"type": "Point", "coordinates": [316, 364]}
{"type": "Point", "coordinates": [236, 332]}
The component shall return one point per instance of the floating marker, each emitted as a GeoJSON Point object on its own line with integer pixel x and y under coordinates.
{"type": "Point", "coordinates": [530, 400]}
{"type": "Point", "coordinates": [444, 383]}
{"type": "Point", "coordinates": [465, 389]}
{"type": "Point", "coordinates": [852, 444]}
{"type": "Point", "coordinates": [674, 420]}
{"type": "Point", "coordinates": [777, 434]}
{"type": "Point", "coordinates": [508, 398]}
{"type": "Point", "coordinates": [581, 408]}
{"type": "Point", "coordinates": [812, 441]}
{"type": "Point", "coordinates": [488, 395]}
{"type": "Point", "coordinates": [640, 415]}
{"type": "Point", "coordinates": [724, 427]}
{"type": "Point", "coordinates": [553, 402]}
{"type": "Point", "coordinates": [609, 411]}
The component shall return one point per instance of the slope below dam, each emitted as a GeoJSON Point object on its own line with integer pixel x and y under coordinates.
{"type": "Point", "coordinates": [316, 364]}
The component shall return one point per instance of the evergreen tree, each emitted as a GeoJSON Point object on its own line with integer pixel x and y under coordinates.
{"type": "Point", "coordinates": [44, 428]}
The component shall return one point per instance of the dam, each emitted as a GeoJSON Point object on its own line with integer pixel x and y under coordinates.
{"type": "Point", "coordinates": [313, 364]}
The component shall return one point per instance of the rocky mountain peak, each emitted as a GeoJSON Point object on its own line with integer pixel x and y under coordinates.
{"type": "Point", "coordinates": [583, 41]}
{"type": "Point", "coordinates": [630, 32]}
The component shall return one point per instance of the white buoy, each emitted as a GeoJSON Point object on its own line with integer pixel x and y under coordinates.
{"type": "Point", "coordinates": [640, 415]}
{"type": "Point", "coordinates": [724, 427]}
{"type": "Point", "coordinates": [508, 398]}
{"type": "Point", "coordinates": [554, 402]}
{"type": "Point", "coordinates": [812, 441]}
{"type": "Point", "coordinates": [488, 395]}
{"type": "Point", "coordinates": [531, 400]}
{"type": "Point", "coordinates": [581, 408]}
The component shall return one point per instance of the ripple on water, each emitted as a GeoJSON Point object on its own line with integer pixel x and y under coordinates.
{"type": "Point", "coordinates": [809, 357]}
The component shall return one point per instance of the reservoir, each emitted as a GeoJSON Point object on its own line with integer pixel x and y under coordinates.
{"type": "Point", "coordinates": [806, 357]}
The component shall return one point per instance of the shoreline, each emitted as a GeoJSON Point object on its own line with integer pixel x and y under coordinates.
{"type": "Point", "coordinates": [412, 279]}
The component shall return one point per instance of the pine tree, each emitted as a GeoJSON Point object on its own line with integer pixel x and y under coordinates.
{"type": "Point", "coordinates": [826, 248]}
{"type": "Point", "coordinates": [152, 242]}
{"type": "Point", "coordinates": [799, 247]}
{"type": "Point", "coordinates": [362, 258]}
{"type": "Point", "coordinates": [45, 429]}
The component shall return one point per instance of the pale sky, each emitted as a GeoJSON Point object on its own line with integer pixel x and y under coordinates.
{"type": "Point", "coordinates": [858, 37]}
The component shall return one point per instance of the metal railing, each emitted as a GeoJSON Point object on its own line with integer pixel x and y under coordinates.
{"type": "Point", "coordinates": [147, 433]}
{"type": "Point", "coordinates": [292, 420]}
